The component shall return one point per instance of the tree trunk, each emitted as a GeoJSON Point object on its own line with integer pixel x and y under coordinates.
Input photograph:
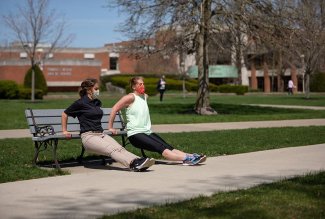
{"type": "Point", "coordinates": [280, 74]}
{"type": "Point", "coordinates": [307, 87]}
{"type": "Point", "coordinates": [266, 78]}
{"type": "Point", "coordinates": [202, 105]}
{"type": "Point", "coordinates": [253, 77]}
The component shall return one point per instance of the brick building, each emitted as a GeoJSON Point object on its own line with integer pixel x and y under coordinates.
{"type": "Point", "coordinates": [65, 68]}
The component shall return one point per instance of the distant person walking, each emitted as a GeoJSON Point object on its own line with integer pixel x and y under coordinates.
{"type": "Point", "coordinates": [161, 87]}
{"type": "Point", "coordinates": [291, 86]}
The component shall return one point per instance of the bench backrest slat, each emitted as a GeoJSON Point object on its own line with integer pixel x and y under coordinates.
{"type": "Point", "coordinates": [42, 117]}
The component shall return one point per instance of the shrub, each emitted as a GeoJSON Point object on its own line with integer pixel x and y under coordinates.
{"type": "Point", "coordinates": [173, 83]}
{"type": "Point", "coordinates": [8, 89]}
{"type": "Point", "coordinates": [40, 82]}
{"type": "Point", "coordinates": [317, 83]}
{"type": "Point", "coordinates": [25, 93]}
{"type": "Point", "coordinates": [237, 89]}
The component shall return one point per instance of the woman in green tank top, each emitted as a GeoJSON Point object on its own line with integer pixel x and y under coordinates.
{"type": "Point", "coordinates": [139, 130]}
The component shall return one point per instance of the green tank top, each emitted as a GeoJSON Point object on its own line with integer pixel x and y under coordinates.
{"type": "Point", "coordinates": [137, 116]}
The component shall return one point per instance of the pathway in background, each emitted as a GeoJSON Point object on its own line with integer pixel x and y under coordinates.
{"type": "Point", "coordinates": [289, 106]}
{"type": "Point", "coordinates": [198, 127]}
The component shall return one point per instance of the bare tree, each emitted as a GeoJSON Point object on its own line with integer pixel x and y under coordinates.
{"type": "Point", "coordinates": [268, 27]}
{"type": "Point", "coordinates": [309, 36]}
{"type": "Point", "coordinates": [36, 24]}
{"type": "Point", "coordinates": [294, 31]}
{"type": "Point", "coordinates": [189, 26]}
{"type": "Point", "coordinates": [167, 26]}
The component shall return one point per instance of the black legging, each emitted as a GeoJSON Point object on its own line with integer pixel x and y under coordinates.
{"type": "Point", "coordinates": [152, 142]}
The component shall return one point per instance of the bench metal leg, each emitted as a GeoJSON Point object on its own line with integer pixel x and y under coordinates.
{"type": "Point", "coordinates": [143, 154]}
{"type": "Point", "coordinates": [81, 154]}
{"type": "Point", "coordinates": [37, 150]}
{"type": "Point", "coordinates": [123, 141]}
{"type": "Point", "coordinates": [55, 146]}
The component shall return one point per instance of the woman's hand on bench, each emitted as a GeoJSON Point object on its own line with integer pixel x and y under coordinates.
{"type": "Point", "coordinates": [113, 131]}
{"type": "Point", "coordinates": [67, 134]}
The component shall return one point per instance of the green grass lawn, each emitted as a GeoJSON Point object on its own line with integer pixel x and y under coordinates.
{"type": "Point", "coordinates": [16, 154]}
{"type": "Point", "coordinates": [300, 197]}
{"type": "Point", "coordinates": [176, 109]}
{"type": "Point", "coordinates": [317, 99]}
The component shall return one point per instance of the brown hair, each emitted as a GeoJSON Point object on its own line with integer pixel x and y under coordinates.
{"type": "Point", "coordinates": [134, 81]}
{"type": "Point", "coordinates": [87, 85]}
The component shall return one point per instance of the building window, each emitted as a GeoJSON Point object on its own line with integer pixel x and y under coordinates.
{"type": "Point", "coordinates": [89, 56]}
{"type": "Point", "coordinates": [50, 56]}
{"type": "Point", "coordinates": [113, 63]}
{"type": "Point", "coordinates": [23, 55]}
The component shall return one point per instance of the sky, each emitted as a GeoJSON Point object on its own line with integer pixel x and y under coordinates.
{"type": "Point", "coordinates": [91, 24]}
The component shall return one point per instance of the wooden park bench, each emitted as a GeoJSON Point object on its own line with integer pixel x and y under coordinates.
{"type": "Point", "coordinates": [45, 126]}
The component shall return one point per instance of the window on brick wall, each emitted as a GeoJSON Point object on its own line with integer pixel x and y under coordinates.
{"type": "Point", "coordinates": [23, 55]}
{"type": "Point", "coordinates": [113, 63]}
{"type": "Point", "coordinates": [89, 56]}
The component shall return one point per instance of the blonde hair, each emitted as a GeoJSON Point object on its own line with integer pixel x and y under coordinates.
{"type": "Point", "coordinates": [134, 80]}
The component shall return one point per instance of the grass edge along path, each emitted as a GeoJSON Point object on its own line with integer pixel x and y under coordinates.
{"type": "Point", "coordinates": [298, 197]}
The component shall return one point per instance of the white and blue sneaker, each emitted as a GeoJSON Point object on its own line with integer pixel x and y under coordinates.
{"type": "Point", "coordinates": [191, 160]}
{"type": "Point", "coordinates": [202, 157]}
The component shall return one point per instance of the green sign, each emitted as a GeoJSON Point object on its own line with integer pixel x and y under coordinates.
{"type": "Point", "coordinates": [215, 71]}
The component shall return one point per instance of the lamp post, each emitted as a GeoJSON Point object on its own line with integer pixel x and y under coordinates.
{"type": "Point", "coordinates": [33, 84]}
{"type": "Point", "coordinates": [182, 66]}
{"type": "Point", "coordinates": [38, 52]}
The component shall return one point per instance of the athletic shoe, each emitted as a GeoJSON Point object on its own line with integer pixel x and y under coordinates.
{"type": "Point", "coordinates": [141, 164]}
{"type": "Point", "coordinates": [151, 162]}
{"type": "Point", "coordinates": [191, 160]}
{"type": "Point", "coordinates": [202, 157]}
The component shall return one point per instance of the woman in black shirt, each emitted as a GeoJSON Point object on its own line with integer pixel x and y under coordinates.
{"type": "Point", "coordinates": [89, 113]}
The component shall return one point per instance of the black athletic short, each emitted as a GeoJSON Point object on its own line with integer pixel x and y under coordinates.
{"type": "Point", "coordinates": [152, 142]}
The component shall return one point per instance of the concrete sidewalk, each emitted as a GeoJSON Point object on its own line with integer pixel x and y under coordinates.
{"type": "Point", "coordinates": [24, 133]}
{"type": "Point", "coordinates": [108, 190]}
{"type": "Point", "coordinates": [91, 191]}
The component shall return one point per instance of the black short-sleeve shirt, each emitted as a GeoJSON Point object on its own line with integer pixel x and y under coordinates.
{"type": "Point", "coordinates": [88, 112]}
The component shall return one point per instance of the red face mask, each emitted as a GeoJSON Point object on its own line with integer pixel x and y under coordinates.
{"type": "Point", "coordinates": [140, 90]}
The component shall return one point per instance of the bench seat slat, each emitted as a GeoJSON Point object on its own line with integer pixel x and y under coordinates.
{"type": "Point", "coordinates": [73, 136]}
{"type": "Point", "coordinates": [43, 117]}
